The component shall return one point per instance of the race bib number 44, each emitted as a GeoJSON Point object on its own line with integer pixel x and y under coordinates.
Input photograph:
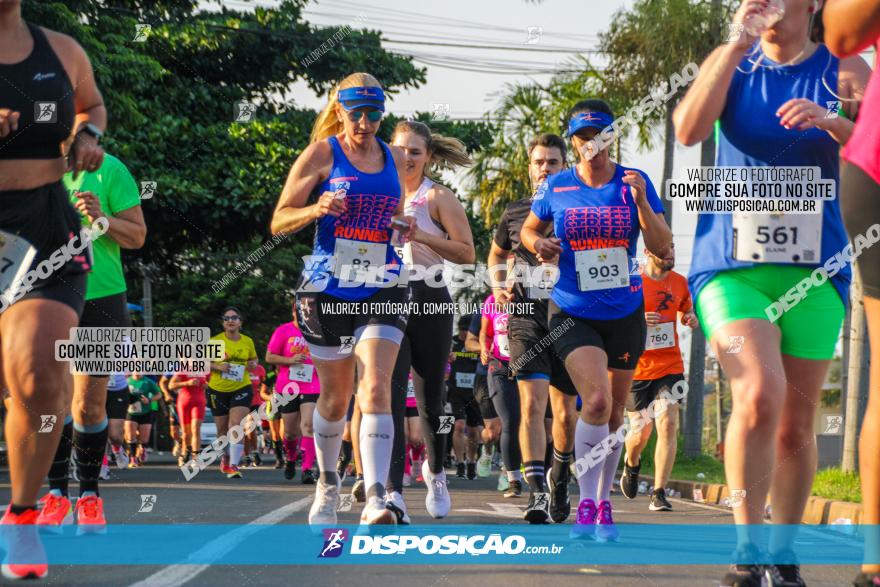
{"type": "Point", "coordinates": [661, 336]}
{"type": "Point", "coordinates": [602, 268]}
{"type": "Point", "coordinates": [358, 261]}
{"type": "Point", "coordinates": [302, 372]}
{"type": "Point", "coordinates": [16, 256]}
{"type": "Point", "coordinates": [777, 238]}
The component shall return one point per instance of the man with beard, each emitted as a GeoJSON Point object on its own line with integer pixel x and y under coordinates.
{"type": "Point", "coordinates": [659, 369]}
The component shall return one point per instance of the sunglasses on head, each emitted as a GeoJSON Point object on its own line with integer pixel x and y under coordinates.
{"type": "Point", "coordinates": [231, 318]}
{"type": "Point", "coordinates": [372, 115]}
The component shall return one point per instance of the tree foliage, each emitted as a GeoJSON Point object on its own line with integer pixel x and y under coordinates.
{"type": "Point", "coordinates": [171, 100]}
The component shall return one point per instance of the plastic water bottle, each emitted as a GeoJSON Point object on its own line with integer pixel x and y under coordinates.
{"type": "Point", "coordinates": [643, 487]}
{"type": "Point", "coordinates": [701, 476]}
{"type": "Point", "coordinates": [756, 24]}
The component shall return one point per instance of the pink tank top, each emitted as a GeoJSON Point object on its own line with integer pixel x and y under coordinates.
{"type": "Point", "coordinates": [863, 148]}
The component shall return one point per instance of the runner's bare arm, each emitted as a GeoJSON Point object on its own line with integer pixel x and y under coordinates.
{"type": "Point", "coordinates": [459, 247]}
{"type": "Point", "coordinates": [851, 25]}
{"type": "Point", "coordinates": [308, 171]}
{"type": "Point", "coordinates": [498, 270]}
{"type": "Point", "coordinates": [400, 165]}
{"type": "Point", "coordinates": [274, 359]}
{"type": "Point", "coordinates": [532, 237]}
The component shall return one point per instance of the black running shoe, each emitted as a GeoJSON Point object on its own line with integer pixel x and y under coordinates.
{"type": "Point", "coordinates": [746, 573]}
{"type": "Point", "coordinates": [279, 463]}
{"type": "Point", "coordinates": [308, 477]}
{"type": "Point", "coordinates": [537, 511]}
{"type": "Point", "coordinates": [258, 460]}
{"type": "Point", "coordinates": [659, 503]}
{"type": "Point", "coordinates": [514, 489]}
{"type": "Point", "coordinates": [289, 470]}
{"type": "Point", "coordinates": [245, 462]}
{"type": "Point", "coordinates": [560, 504]}
{"type": "Point", "coordinates": [471, 471]}
{"type": "Point", "coordinates": [784, 575]}
{"type": "Point", "coordinates": [459, 470]}
{"type": "Point", "coordinates": [629, 481]}
{"type": "Point", "coordinates": [867, 580]}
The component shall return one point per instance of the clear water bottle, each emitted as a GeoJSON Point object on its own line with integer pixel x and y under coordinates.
{"type": "Point", "coordinates": [756, 24]}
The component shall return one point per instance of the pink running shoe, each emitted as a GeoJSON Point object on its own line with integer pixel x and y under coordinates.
{"type": "Point", "coordinates": [606, 531]}
{"type": "Point", "coordinates": [585, 522]}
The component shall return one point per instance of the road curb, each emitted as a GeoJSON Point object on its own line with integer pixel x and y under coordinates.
{"type": "Point", "coordinates": [819, 510]}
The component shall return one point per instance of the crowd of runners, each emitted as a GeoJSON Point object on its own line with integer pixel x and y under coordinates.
{"type": "Point", "coordinates": [575, 338]}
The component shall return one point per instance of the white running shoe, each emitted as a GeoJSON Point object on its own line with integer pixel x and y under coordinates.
{"type": "Point", "coordinates": [503, 482]}
{"type": "Point", "coordinates": [437, 502]}
{"type": "Point", "coordinates": [484, 465]}
{"type": "Point", "coordinates": [407, 480]}
{"type": "Point", "coordinates": [394, 502]}
{"type": "Point", "coordinates": [323, 510]}
{"type": "Point", "coordinates": [375, 512]}
{"type": "Point", "coordinates": [105, 472]}
{"type": "Point", "coordinates": [121, 459]}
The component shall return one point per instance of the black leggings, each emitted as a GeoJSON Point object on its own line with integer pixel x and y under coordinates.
{"type": "Point", "coordinates": [426, 347]}
{"type": "Point", "coordinates": [505, 397]}
{"type": "Point", "coordinates": [860, 206]}
{"type": "Point", "coordinates": [399, 384]}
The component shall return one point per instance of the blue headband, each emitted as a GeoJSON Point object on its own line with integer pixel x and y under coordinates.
{"type": "Point", "coordinates": [583, 120]}
{"type": "Point", "coordinates": [352, 98]}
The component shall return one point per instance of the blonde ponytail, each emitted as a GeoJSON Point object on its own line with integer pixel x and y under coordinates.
{"type": "Point", "coordinates": [328, 124]}
{"type": "Point", "coordinates": [446, 152]}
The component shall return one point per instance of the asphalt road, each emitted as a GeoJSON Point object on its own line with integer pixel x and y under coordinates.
{"type": "Point", "coordinates": [265, 497]}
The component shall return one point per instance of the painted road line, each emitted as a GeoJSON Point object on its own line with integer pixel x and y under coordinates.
{"type": "Point", "coordinates": [175, 575]}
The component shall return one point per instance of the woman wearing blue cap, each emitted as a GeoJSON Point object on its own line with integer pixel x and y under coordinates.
{"type": "Point", "coordinates": [348, 182]}
{"type": "Point", "coordinates": [781, 100]}
{"type": "Point", "coordinates": [597, 209]}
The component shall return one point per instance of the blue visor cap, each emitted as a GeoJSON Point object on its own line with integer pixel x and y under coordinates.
{"type": "Point", "coordinates": [352, 98]}
{"type": "Point", "coordinates": [583, 120]}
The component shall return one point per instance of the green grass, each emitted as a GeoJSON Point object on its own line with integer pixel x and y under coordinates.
{"type": "Point", "coordinates": [831, 483]}
{"type": "Point", "coordinates": [685, 468]}
{"type": "Point", "coordinates": [835, 484]}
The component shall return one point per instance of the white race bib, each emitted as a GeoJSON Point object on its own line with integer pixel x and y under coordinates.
{"type": "Point", "coordinates": [16, 256]}
{"type": "Point", "coordinates": [503, 345]}
{"type": "Point", "coordinates": [235, 372]}
{"type": "Point", "coordinates": [302, 372]}
{"type": "Point", "coordinates": [661, 336]}
{"type": "Point", "coordinates": [410, 389]}
{"type": "Point", "coordinates": [465, 380]}
{"type": "Point", "coordinates": [602, 268]}
{"type": "Point", "coordinates": [777, 238]}
{"type": "Point", "coordinates": [359, 262]}
{"type": "Point", "coordinates": [542, 280]}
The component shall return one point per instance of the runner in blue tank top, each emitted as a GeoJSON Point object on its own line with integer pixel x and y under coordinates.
{"type": "Point", "coordinates": [771, 98]}
{"type": "Point", "coordinates": [597, 210]}
{"type": "Point", "coordinates": [348, 182]}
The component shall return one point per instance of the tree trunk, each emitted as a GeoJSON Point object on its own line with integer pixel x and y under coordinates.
{"type": "Point", "coordinates": [693, 425]}
{"type": "Point", "coordinates": [857, 377]}
{"type": "Point", "coordinates": [668, 161]}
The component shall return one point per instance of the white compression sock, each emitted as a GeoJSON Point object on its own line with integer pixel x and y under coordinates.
{"type": "Point", "coordinates": [377, 436]}
{"type": "Point", "coordinates": [328, 443]}
{"type": "Point", "coordinates": [586, 436]}
{"type": "Point", "coordinates": [235, 452]}
{"type": "Point", "coordinates": [609, 468]}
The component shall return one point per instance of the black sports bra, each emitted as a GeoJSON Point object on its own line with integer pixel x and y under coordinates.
{"type": "Point", "coordinates": [40, 90]}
